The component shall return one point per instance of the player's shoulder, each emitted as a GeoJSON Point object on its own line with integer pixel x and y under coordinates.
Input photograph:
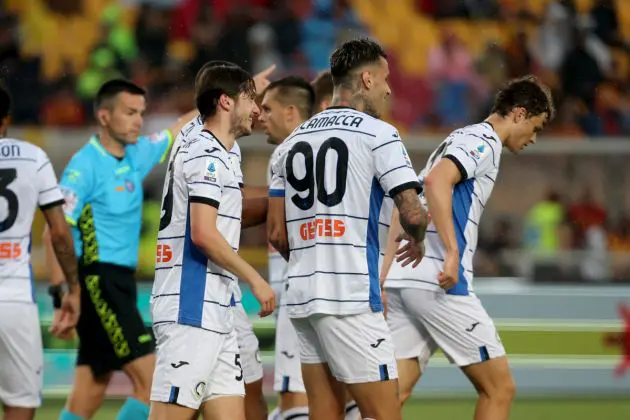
{"type": "Point", "coordinates": [236, 150]}
{"type": "Point", "coordinates": [204, 143]}
{"type": "Point", "coordinates": [482, 131]}
{"type": "Point", "coordinates": [17, 148]}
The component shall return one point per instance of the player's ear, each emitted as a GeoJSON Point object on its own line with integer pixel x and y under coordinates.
{"type": "Point", "coordinates": [102, 116]}
{"type": "Point", "coordinates": [225, 102]}
{"type": "Point", "coordinates": [367, 79]}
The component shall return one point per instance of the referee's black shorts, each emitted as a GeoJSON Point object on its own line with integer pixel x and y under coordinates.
{"type": "Point", "coordinates": [110, 328]}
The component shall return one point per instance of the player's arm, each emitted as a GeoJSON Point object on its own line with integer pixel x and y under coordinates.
{"type": "Point", "coordinates": [438, 190]}
{"type": "Point", "coordinates": [396, 176]}
{"type": "Point", "coordinates": [254, 211]}
{"type": "Point", "coordinates": [395, 230]}
{"type": "Point", "coordinates": [60, 249]}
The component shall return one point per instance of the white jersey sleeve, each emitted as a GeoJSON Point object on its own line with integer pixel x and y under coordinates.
{"type": "Point", "coordinates": [49, 192]}
{"type": "Point", "coordinates": [277, 265]}
{"type": "Point", "coordinates": [393, 166]}
{"type": "Point", "coordinates": [476, 151]}
{"type": "Point", "coordinates": [27, 181]}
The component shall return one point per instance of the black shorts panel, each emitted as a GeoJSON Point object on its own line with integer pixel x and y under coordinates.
{"type": "Point", "coordinates": [111, 330]}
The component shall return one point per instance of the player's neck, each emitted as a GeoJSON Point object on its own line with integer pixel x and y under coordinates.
{"type": "Point", "coordinates": [111, 145]}
{"type": "Point", "coordinates": [499, 125]}
{"type": "Point", "coordinates": [344, 97]}
{"type": "Point", "coordinates": [221, 132]}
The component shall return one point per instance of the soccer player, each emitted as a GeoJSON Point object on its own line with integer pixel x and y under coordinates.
{"type": "Point", "coordinates": [102, 187]}
{"type": "Point", "coordinates": [323, 87]}
{"type": "Point", "coordinates": [254, 213]}
{"type": "Point", "coordinates": [28, 181]}
{"type": "Point", "coordinates": [328, 185]}
{"type": "Point", "coordinates": [199, 365]}
{"type": "Point", "coordinates": [434, 305]}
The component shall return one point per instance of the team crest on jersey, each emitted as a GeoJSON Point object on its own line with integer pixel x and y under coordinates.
{"type": "Point", "coordinates": [478, 152]}
{"type": "Point", "coordinates": [70, 200]}
{"type": "Point", "coordinates": [199, 390]}
{"type": "Point", "coordinates": [211, 172]}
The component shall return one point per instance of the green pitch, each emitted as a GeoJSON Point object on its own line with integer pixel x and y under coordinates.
{"type": "Point", "coordinates": [444, 409]}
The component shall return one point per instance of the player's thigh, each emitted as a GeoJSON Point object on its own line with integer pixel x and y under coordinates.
{"type": "Point", "coordinates": [492, 378]}
{"type": "Point", "coordinates": [165, 411]}
{"type": "Point", "coordinates": [224, 408]}
{"type": "Point", "coordinates": [326, 394]}
{"type": "Point", "coordinates": [18, 413]}
{"type": "Point", "coordinates": [21, 355]}
{"type": "Point", "coordinates": [248, 346]}
{"type": "Point", "coordinates": [411, 339]}
{"type": "Point", "coordinates": [459, 325]}
{"type": "Point", "coordinates": [191, 365]}
{"type": "Point", "coordinates": [288, 368]}
{"type": "Point", "coordinates": [360, 353]}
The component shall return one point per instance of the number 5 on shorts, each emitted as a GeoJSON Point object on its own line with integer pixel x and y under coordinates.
{"type": "Point", "coordinates": [237, 362]}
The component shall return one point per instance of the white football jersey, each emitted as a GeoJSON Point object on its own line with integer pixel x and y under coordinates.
{"type": "Point", "coordinates": [191, 130]}
{"type": "Point", "coordinates": [27, 181]}
{"type": "Point", "coordinates": [476, 151]}
{"type": "Point", "coordinates": [334, 172]}
{"type": "Point", "coordinates": [189, 289]}
{"type": "Point", "coordinates": [277, 265]}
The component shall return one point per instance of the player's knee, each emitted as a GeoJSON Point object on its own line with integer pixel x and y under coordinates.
{"type": "Point", "coordinates": [502, 391]}
{"type": "Point", "coordinates": [404, 395]}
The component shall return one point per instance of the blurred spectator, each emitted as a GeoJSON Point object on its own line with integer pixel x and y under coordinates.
{"type": "Point", "coordinates": [580, 72]}
{"type": "Point", "coordinates": [606, 22]}
{"type": "Point", "coordinates": [63, 108]}
{"type": "Point", "coordinates": [102, 68]}
{"type": "Point", "coordinates": [519, 59]}
{"type": "Point", "coordinates": [585, 213]}
{"type": "Point", "coordinates": [262, 41]}
{"type": "Point", "coordinates": [288, 33]}
{"type": "Point", "coordinates": [555, 35]}
{"type": "Point", "coordinates": [203, 35]}
{"type": "Point", "coordinates": [451, 70]}
{"type": "Point", "coordinates": [542, 224]}
{"type": "Point", "coordinates": [152, 34]}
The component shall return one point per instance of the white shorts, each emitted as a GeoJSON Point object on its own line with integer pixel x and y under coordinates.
{"type": "Point", "coordinates": [248, 346]}
{"type": "Point", "coordinates": [357, 348]}
{"type": "Point", "coordinates": [423, 320]}
{"type": "Point", "coordinates": [21, 355]}
{"type": "Point", "coordinates": [194, 365]}
{"type": "Point", "coordinates": [288, 369]}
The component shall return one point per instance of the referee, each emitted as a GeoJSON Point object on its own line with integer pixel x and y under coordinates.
{"type": "Point", "coordinates": [102, 187]}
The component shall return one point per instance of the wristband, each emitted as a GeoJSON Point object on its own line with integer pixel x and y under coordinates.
{"type": "Point", "coordinates": [56, 293]}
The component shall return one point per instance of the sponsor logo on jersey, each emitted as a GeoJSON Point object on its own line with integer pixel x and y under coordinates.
{"type": "Point", "coordinates": [322, 228]}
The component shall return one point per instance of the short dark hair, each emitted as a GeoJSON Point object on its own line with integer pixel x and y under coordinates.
{"type": "Point", "coordinates": [525, 92]}
{"type": "Point", "coordinates": [323, 86]}
{"type": "Point", "coordinates": [221, 80]}
{"type": "Point", "coordinates": [5, 103]}
{"type": "Point", "coordinates": [294, 90]}
{"type": "Point", "coordinates": [350, 56]}
{"type": "Point", "coordinates": [112, 88]}
{"type": "Point", "coordinates": [213, 63]}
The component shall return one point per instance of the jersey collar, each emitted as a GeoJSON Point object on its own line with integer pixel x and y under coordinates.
{"type": "Point", "coordinates": [340, 107]}
{"type": "Point", "coordinates": [216, 138]}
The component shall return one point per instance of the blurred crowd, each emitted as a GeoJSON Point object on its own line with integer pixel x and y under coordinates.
{"type": "Point", "coordinates": [565, 241]}
{"type": "Point", "coordinates": [54, 62]}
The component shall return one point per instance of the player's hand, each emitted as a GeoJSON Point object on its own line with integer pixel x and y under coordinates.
{"type": "Point", "coordinates": [411, 253]}
{"type": "Point", "coordinates": [265, 296]}
{"type": "Point", "coordinates": [447, 278]}
{"type": "Point", "coordinates": [67, 317]}
{"type": "Point", "coordinates": [261, 80]}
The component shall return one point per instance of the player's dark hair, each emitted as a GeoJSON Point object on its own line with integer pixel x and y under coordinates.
{"type": "Point", "coordinates": [5, 103]}
{"type": "Point", "coordinates": [294, 90]}
{"type": "Point", "coordinates": [209, 64]}
{"type": "Point", "coordinates": [112, 88]}
{"type": "Point", "coordinates": [221, 80]}
{"type": "Point", "coordinates": [323, 86]}
{"type": "Point", "coordinates": [352, 55]}
{"type": "Point", "coordinates": [525, 92]}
